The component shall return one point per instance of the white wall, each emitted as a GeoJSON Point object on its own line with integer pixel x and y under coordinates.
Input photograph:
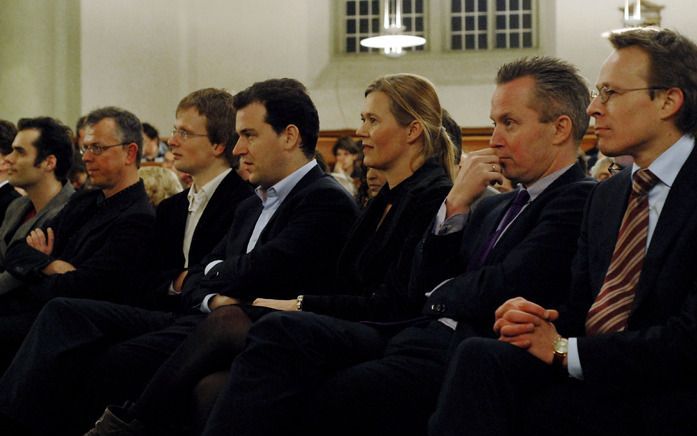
{"type": "Point", "coordinates": [39, 59]}
{"type": "Point", "coordinates": [145, 55]}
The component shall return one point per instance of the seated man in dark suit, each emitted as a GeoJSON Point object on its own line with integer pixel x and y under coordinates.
{"type": "Point", "coordinates": [41, 156]}
{"type": "Point", "coordinates": [7, 191]}
{"type": "Point", "coordinates": [310, 374]}
{"type": "Point", "coordinates": [620, 357]}
{"type": "Point", "coordinates": [99, 234]}
{"type": "Point", "coordinates": [275, 243]}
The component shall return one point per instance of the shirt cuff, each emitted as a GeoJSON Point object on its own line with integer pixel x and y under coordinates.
{"type": "Point", "coordinates": [211, 265]}
{"type": "Point", "coordinates": [453, 224]}
{"type": "Point", "coordinates": [171, 290]}
{"type": "Point", "coordinates": [573, 361]}
{"type": "Point", "coordinates": [204, 305]}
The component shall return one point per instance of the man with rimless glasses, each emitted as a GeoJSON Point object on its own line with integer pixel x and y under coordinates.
{"type": "Point", "coordinates": [98, 246]}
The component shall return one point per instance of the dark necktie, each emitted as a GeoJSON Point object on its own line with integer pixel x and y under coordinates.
{"type": "Point", "coordinates": [521, 198]}
{"type": "Point", "coordinates": [611, 308]}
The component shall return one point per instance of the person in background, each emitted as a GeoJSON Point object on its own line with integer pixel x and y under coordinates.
{"type": "Point", "coordinates": [7, 191]}
{"type": "Point", "coordinates": [160, 183]}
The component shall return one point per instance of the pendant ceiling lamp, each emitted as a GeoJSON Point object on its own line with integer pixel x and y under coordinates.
{"type": "Point", "coordinates": [392, 40]}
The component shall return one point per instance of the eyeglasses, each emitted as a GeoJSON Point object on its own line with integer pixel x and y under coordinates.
{"type": "Point", "coordinates": [614, 168]}
{"type": "Point", "coordinates": [97, 149]}
{"type": "Point", "coordinates": [183, 134]}
{"type": "Point", "coordinates": [605, 93]}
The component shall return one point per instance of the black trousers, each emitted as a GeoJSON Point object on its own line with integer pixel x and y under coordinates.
{"type": "Point", "coordinates": [81, 355]}
{"type": "Point", "coordinates": [303, 373]}
{"type": "Point", "coordinates": [493, 388]}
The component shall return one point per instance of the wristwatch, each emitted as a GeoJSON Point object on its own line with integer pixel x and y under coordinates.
{"type": "Point", "coordinates": [299, 303]}
{"type": "Point", "coordinates": [561, 349]}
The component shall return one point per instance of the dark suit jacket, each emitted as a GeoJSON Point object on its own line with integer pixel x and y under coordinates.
{"type": "Point", "coordinates": [532, 258]}
{"type": "Point", "coordinates": [659, 347]}
{"type": "Point", "coordinates": [7, 194]}
{"type": "Point", "coordinates": [170, 226]}
{"type": "Point", "coordinates": [14, 228]}
{"type": "Point", "coordinates": [109, 241]}
{"type": "Point", "coordinates": [296, 252]}
{"type": "Point", "coordinates": [374, 266]}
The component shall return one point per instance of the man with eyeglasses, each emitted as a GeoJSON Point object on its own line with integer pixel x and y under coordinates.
{"type": "Point", "coordinates": [100, 234]}
{"type": "Point", "coordinates": [620, 356]}
{"type": "Point", "coordinates": [283, 239]}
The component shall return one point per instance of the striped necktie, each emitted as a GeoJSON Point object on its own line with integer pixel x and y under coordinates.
{"type": "Point", "coordinates": [611, 308]}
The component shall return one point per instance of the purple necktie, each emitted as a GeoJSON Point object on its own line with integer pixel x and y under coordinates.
{"type": "Point", "coordinates": [520, 199]}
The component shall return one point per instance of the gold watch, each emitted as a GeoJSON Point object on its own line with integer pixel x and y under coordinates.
{"type": "Point", "coordinates": [561, 349]}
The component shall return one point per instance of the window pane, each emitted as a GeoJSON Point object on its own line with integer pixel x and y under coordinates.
{"type": "Point", "coordinates": [363, 7]}
{"type": "Point", "coordinates": [419, 6]}
{"type": "Point", "coordinates": [515, 40]}
{"type": "Point", "coordinates": [514, 22]}
{"type": "Point", "coordinates": [419, 24]}
{"type": "Point", "coordinates": [527, 39]}
{"type": "Point", "coordinates": [469, 42]}
{"type": "Point", "coordinates": [469, 23]}
{"type": "Point", "coordinates": [375, 4]}
{"type": "Point", "coordinates": [500, 40]}
{"type": "Point", "coordinates": [456, 6]}
{"type": "Point", "coordinates": [527, 4]}
{"type": "Point", "coordinates": [350, 8]}
{"type": "Point", "coordinates": [482, 41]}
{"type": "Point", "coordinates": [500, 22]}
{"type": "Point", "coordinates": [350, 45]}
{"type": "Point", "coordinates": [469, 5]}
{"type": "Point", "coordinates": [482, 22]}
{"type": "Point", "coordinates": [406, 6]}
{"type": "Point", "coordinates": [375, 25]}
{"type": "Point", "coordinates": [527, 21]}
{"type": "Point", "coordinates": [350, 26]}
{"type": "Point", "coordinates": [406, 21]}
{"type": "Point", "coordinates": [456, 24]}
{"type": "Point", "coordinates": [514, 5]}
{"type": "Point", "coordinates": [363, 24]}
{"type": "Point", "coordinates": [456, 42]}
{"type": "Point", "coordinates": [483, 6]}
{"type": "Point", "coordinates": [500, 5]}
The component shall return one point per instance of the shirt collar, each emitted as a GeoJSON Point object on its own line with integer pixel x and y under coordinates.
{"type": "Point", "coordinates": [667, 166]}
{"type": "Point", "coordinates": [196, 197]}
{"type": "Point", "coordinates": [540, 185]}
{"type": "Point", "coordinates": [281, 189]}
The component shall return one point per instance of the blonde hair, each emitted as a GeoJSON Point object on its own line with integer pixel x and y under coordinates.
{"type": "Point", "coordinates": [160, 183]}
{"type": "Point", "coordinates": [414, 98]}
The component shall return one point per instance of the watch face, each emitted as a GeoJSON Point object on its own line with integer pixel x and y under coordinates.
{"type": "Point", "coordinates": [561, 346]}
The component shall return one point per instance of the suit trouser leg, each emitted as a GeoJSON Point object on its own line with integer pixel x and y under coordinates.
{"type": "Point", "coordinates": [42, 386]}
{"type": "Point", "coordinates": [392, 395]}
{"type": "Point", "coordinates": [493, 388]}
{"type": "Point", "coordinates": [288, 355]}
{"type": "Point", "coordinates": [122, 371]}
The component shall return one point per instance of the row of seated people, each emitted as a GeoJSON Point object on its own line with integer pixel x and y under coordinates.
{"type": "Point", "coordinates": [287, 312]}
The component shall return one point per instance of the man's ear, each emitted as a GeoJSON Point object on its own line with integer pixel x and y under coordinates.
{"type": "Point", "coordinates": [563, 128]}
{"type": "Point", "coordinates": [218, 149]}
{"type": "Point", "coordinates": [291, 136]}
{"type": "Point", "coordinates": [672, 102]}
{"type": "Point", "coordinates": [132, 153]}
{"type": "Point", "coordinates": [50, 162]}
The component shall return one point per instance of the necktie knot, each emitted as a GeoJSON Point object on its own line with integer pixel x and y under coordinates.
{"type": "Point", "coordinates": [642, 182]}
{"type": "Point", "coordinates": [521, 198]}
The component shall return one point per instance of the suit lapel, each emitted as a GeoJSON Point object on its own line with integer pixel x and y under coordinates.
{"type": "Point", "coordinates": [678, 208]}
{"type": "Point", "coordinates": [314, 174]}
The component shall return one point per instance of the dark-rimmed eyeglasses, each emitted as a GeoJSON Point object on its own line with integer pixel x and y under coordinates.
{"type": "Point", "coordinates": [97, 149]}
{"type": "Point", "coordinates": [605, 92]}
{"type": "Point", "coordinates": [183, 134]}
